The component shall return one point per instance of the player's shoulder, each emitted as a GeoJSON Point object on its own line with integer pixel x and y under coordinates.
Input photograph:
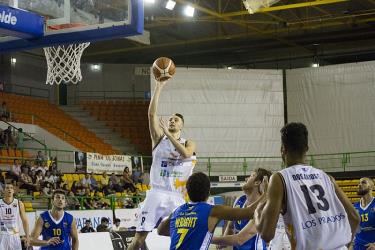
{"type": "Point", "coordinates": [357, 204]}
{"type": "Point", "coordinates": [372, 203]}
{"type": "Point", "coordinates": [240, 199]}
{"type": "Point", "coordinates": [68, 215]}
{"type": "Point", "coordinates": [44, 213]}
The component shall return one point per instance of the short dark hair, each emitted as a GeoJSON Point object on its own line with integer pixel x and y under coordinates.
{"type": "Point", "coordinates": [8, 182]}
{"type": "Point", "coordinates": [58, 191]}
{"type": "Point", "coordinates": [181, 116]}
{"type": "Point", "coordinates": [117, 220]}
{"type": "Point", "coordinates": [104, 219]}
{"type": "Point", "coordinates": [261, 172]}
{"type": "Point", "coordinates": [198, 187]}
{"type": "Point", "coordinates": [294, 137]}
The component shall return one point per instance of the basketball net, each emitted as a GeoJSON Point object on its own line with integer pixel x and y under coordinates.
{"type": "Point", "coordinates": [64, 61]}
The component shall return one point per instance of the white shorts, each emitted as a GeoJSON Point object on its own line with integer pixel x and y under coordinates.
{"type": "Point", "coordinates": [280, 242]}
{"type": "Point", "coordinates": [157, 205]}
{"type": "Point", "coordinates": [10, 242]}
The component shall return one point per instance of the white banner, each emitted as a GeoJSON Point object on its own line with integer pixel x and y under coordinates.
{"type": "Point", "coordinates": [94, 215]}
{"type": "Point", "coordinates": [98, 163]}
{"type": "Point", "coordinates": [80, 215]}
{"type": "Point", "coordinates": [227, 178]}
{"type": "Point", "coordinates": [128, 217]}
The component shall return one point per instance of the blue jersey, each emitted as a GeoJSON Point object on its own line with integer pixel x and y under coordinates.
{"type": "Point", "coordinates": [367, 226]}
{"type": "Point", "coordinates": [189, 227]}
{"type": "Point", "coordinates": [61, 228]}
{"type": "Point", "coordinates": [255, 242]}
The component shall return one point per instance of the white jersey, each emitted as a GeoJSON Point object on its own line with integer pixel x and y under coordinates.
{"type": "Point", "coordinates": [280, 241]}
{"type": "Point", "coordinates": [169, 170]}
{"type": "Point", "coordinates": [9, 217]}
{"type": "Point", "coordinates": [315, 217]}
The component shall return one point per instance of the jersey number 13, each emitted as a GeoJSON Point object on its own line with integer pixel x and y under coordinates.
{"type": "Point", "coordinates": [322, 204]}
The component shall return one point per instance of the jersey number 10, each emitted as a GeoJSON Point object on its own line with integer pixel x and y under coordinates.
{"type": "Point", "coordinates": [8, 211]}
{"type": "Point", "coordinates": [56, 231]}
{"type": "Point", "coordinates": [324, 206]}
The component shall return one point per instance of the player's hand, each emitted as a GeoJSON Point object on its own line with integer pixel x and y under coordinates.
{"type": "Point", "coordinates": [27, 241]}
{"type": "Point", "coordinates": [160, 84]}
{"type": "Point", "coordinates": [164, 126]}
{"type": "Point", "coordinates": [370, 246]}
{"type": "Point", "coordinates": [264, 185]}
{"type": "Point", "coordinates": [219, 247]}
{"type": "Point", "coordinates": [54, 241]}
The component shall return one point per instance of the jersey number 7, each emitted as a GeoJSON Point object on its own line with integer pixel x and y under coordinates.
{"type": "Point", "coordinates": [182, 232]}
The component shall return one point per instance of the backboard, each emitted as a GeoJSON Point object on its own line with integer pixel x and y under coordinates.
{"type": "Point", "coordinates": [27, 24]}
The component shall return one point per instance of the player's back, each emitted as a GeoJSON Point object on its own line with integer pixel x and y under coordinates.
{"type": "Point", "coordinates": [366, 234]}
{"type": "Point", "coordinates": [53, 228]}
{"type": "Point", "coordinates": [255, 242]}
{"type": "Point", "coordinates": [315, 217]}
{"type": "Point", "coordinates": [189, 227]}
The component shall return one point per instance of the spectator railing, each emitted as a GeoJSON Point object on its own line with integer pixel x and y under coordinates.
{"type": "Point", "coordinates": [84, 95]}
{"type": "Point", "coordinates": [27, 135]}
{"type": "Point", "coordinates": [339, 162]}
{"type": "Point", "coordinates": [112, 201]}
{"type": "Point", "coordinates": [34, 119]}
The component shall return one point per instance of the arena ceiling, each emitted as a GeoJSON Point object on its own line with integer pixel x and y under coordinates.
{"type": "Point", "coordinates": [292, 33]}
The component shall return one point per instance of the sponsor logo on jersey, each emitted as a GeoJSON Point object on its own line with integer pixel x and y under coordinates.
{"type": "Point", "coordinates": [46, 224]}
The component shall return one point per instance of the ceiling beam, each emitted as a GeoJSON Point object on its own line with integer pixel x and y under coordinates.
{"type": "Point", "coordinates": [333, 23]}
{"type": "Point", "coordinates": [284, 7]}
{"type": "Point", "coordinates": [246, 26]}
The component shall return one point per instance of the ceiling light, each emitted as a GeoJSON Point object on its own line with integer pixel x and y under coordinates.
{"type": "Point", "coordinates": [189, 11]}
{"type": "Point", "coordinates": [170, 5]}
{"type": "Point", "coordinates": [229, 67]}
{"type": "Point", "coordinates": [150, 1]}
{"type": "Point", "coordinates": [95, 67]}
{"type": "Point", "coordinates": [315, 65]}
{"type": "Point", "coordinates": [13, 60]}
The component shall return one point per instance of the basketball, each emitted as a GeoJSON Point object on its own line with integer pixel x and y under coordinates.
{"type": "Point", "coordinates": [163, 68]}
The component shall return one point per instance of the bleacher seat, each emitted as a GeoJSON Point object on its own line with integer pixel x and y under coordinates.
{"type": "Point", "coordinates": [27, 109]}
{"type": "Point", "coordinates": [128, 118]}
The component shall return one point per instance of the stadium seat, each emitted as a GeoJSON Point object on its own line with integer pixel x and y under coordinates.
{"type": "Point", "coordinates": [128, 118]}
{"type": "Point", "coordinates": [48, 115]}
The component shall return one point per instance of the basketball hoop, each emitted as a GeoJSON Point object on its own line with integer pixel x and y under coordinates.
{"type": "Point", "coordinates": [253, 6]}
{"type": "Point", "coordinates": [64, 61]}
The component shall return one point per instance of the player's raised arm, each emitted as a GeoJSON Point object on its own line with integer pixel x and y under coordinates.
{"type": "Point", "coordinates": [74, 235]}
{"type": "Point", "coordinates": [187, 149]}
{"type": "Point", "coordinates": [237, 239]}
{"type": "Point", "coordinates": [352, 213]}
{"type": "Point", "coordinates": [37, 231]}
{"type": "Point", "coordinates": [25, 223]}
{"type": "Point", "coordinates": [228, 213]}
{"type": "Point", "coordinates": [267, 213]}
{"type": "Point", "coordinates": [155, 131]}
